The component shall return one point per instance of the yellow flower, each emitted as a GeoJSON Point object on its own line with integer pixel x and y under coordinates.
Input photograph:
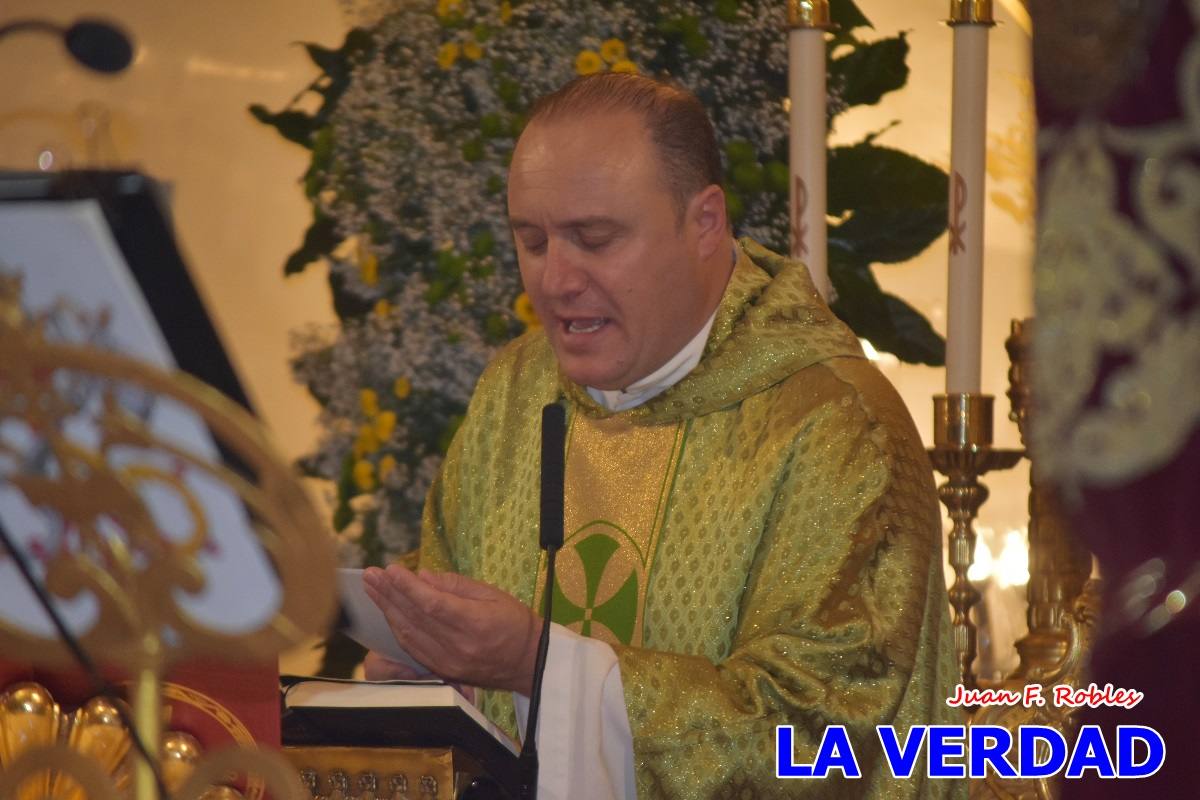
{"type": "Point", "coordinates": [387, 465]}
{"type": "Point", "coordinates": [368, 268]}
{"type": "Point", "coordinates": [588, 62]}
{"type": "Point", "coordinates": [505, 11]}
{"type": "Point", "coordinates": [383, 308]}
{"type": "Point", "coordinates": [367, 442]}
{"type": "Point", "coordinates": [402, 388]}
{"type": "Point", "coordinates": [385, 423]}
{"type": "Point", "coordinates": [612, 50]}
{"type": "Point", "coordinates": [364, 475]}
{"type": "Point", "coordinates": [368, 401]}
{"type": "Point", "coordinates": [447, 54]}
{"type": "Point", "coordinates": [523, 308]}
{"type": "Point", "coordinates": [447, 7]}
{"type": "Point", "coordinates": [625, 65]}
{"type": "Point", "coordinates": [472, 50]}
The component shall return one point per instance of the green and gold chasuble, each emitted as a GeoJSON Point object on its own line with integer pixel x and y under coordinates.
{"type": "Point", "coordinates": [761, 544]}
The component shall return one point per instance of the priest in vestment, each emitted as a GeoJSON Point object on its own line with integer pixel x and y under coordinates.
{"type": "Point", "coordinates": [752, 534]}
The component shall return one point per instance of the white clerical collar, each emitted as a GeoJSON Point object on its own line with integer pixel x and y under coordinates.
{"type": "Point", "coordinates": [657, 382]}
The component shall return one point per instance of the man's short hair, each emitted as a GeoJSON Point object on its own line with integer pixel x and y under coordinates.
{"type": "Point", "coordinates": [676, 120]}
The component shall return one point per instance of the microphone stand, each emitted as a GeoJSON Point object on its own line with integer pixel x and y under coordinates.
{"type": "Point", "coordinates": [554, 434]}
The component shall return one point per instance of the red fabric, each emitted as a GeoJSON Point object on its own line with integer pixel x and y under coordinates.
{"type": "Point", "coordinates": [249, 693]}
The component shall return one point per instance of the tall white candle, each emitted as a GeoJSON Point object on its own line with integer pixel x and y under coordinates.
{"type": "Point", "coordinates": [806, 87]}
{"type": "Point", "coordinates": [968, 150]}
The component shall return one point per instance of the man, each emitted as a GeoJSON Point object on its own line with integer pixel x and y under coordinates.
{"type": "Point", "coordinates": [752, 533]}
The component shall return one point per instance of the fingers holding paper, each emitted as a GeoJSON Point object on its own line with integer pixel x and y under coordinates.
{"type": "Point", "coordinates": [461, 629]}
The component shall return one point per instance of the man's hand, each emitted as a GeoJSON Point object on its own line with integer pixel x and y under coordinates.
{"type": "Point", "coordinates": [461, 629]}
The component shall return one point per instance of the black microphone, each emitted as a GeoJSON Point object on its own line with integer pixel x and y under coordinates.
{"type": "Point", "coordinates": [554, 440]}
{"type": "Point", "coordinates": [99, 45]}
{"type": "Point", "coordinates": [94, 43]}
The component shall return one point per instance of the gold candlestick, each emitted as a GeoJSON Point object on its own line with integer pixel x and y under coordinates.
{"type": "Point", "coordinates": [809, 14]}
{"type": "Point", "coordinates": [1059, 564]}
{"type": "Point", "coordinates": [962, 451]}
{"type": "Point", "coordinates": [971, 12]}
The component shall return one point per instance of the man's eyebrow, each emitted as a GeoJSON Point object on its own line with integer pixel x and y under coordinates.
{"type": "Point", "coordinates": [518, 222]}
{"type": "Point", "coordinates": [597, 221]}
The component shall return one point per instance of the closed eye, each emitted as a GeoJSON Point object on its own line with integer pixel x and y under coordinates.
{"type": "Point", "coordinates": [532, 241]}
{"type": "Point", "coordinates": [594, 243]}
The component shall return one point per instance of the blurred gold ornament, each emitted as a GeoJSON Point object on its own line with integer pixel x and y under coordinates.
{"type": "Point", "coordinates": [48, 749]}
{"type": "Point", "coordinates": [136, 573]}
{"type": "Point", "coordinates": [809, 14]}
{"type": "Point", "coordinates": [29, 719]}
{"type": "Point", "coordinates": [96, 731]}
{"type": "Point", "coordinates": [180, 752]}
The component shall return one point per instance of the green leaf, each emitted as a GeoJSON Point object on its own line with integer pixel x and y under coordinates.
{"type": "Point", "coordinates": [347, 304]}
{"type": "Point", "coordinates": [482, 243]}
{"type": "Point", "coordinates": [894, 204]}
{"type": "Point", "coordinates": [915, 342]}
{"type": "Point", "coordinates": [472, 150]}
{"type": "Point", "coordinates": [735, 206]}
{"type": "Point", "coordinates": [331, 62]}
{"type": "Point", "coordinates": [319, 241]}
{"type": "Point", "coordinates": [343, 515]}
{"type": "Point", "coordinates": [749, 177]}
{"type": "Point", "coordinates": [322, 157]}
{"type": "Point", "coordinates": [870, 71]}
{"type": "Point", "coordinates": [886, 321]}
{"type": "Point", "coordinates": [778, 177]}
{"type": "Point", "coordinates": [295, 126]}
{"type": "Point", "coordinates": [739, 151]}
{"type": "Point", "coordinates": [726, 10]}
{"type": "Point", "coordinates": [496, 328]}
{"type": "Point", "coordinates": [846, 16]}
{"type": "Point", "coordinates": [509, 92]}
{"type": "Point", "coordinates": [696, 44]}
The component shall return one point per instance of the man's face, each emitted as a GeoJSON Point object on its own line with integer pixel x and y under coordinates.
{"type": "Point", "coordinates": [615, 277]}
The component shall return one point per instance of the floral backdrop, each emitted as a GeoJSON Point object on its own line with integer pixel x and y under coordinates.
{"type": "Point", "coordinates": [416, 116]}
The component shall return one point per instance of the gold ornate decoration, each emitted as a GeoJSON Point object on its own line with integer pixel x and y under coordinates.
{"type": "Point", "coordinates": [1059, 564]}
{"type": "Point", "coordinates": [1063, 604]}
{"type": "Point", "coordinates": [971, 12]}
{"type": "Point", "coordinates": [229, 721]}
{"type": "Point", "coordinates": [89, 492]}
{"type": "Point", "coordinates": [962, 451]}
{"type": "Point", "coordinates": [34, 733]}
{"type": "Point", "coordinates": [1082, 625]}
{"type": "Point", "coordinates": [113, 551]}
{"type": "Point", "coordinates": [382, 773]}
{"type": "Point", "coordinates": [809, 14]}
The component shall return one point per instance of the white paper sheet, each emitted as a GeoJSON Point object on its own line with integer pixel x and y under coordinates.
{"type": "Point", "coordinates": [368, 626]}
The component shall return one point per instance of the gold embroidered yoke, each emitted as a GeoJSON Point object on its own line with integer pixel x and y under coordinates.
{"type": "Point", "coordinates": [760, 543]}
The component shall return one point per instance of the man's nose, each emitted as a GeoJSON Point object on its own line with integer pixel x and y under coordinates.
{"type": "Point", "coordinates": [562, 277]}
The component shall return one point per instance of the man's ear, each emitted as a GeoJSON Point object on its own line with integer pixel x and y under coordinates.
{"type": "Point", "coordinates": [708, 219]}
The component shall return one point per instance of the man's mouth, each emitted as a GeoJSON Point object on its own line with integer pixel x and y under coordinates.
{"type": "Point", "coordinates": [583, 325]}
